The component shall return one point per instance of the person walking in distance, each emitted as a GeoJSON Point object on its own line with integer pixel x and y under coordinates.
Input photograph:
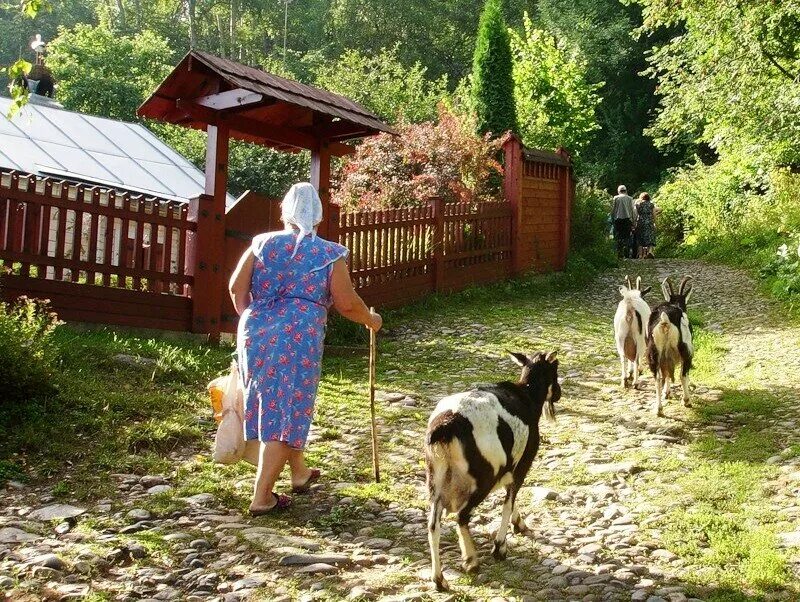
{"type": "Point", "coordinates": [624, 215]}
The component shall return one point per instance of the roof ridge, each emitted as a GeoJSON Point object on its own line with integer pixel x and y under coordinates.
{"type": "Point", "coordinates": [359, 108]}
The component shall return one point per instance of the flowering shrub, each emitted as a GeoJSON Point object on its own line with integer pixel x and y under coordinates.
{"type": "Point", "coordinates": [785, 268]}
{"type": "Point", "coordinates": [444, 159]}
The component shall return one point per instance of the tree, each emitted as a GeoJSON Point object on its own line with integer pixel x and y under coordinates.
{"type": "Point", "coordinates": [554, 102]}
{"type": "Point", "coordinates": [492, 74]}
{"type": "Point", "coordinates": [732, 79]}
{"type": "Point", "coordinates": [102, 73]}
{"type": "Point", "coordinates": [383, 84]}
{"type": "Point", "coordinates": [444, 159]}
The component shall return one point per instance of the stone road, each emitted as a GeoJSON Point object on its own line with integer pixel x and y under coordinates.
{"type": "Point", "coordinates": [593, 527]}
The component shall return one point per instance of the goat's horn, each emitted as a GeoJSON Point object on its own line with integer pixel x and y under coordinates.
{"type": "Point", "coordinates": [638, 282]}
{"type": "Point", "coordinates": [666, 288]}
{"type": "Point", "coordinates": [628, 280]}
{"type": "Point", "coordinates": [684, 282]}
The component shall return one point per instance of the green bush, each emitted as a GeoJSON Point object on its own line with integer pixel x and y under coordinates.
{"type": "Point", "coordinates": [27, 354]}
{"type": "Point", "coordinates": [590, 246]}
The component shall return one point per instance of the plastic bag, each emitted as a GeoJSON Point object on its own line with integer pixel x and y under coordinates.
{"type": "Point", "coordinates": [229, 443]}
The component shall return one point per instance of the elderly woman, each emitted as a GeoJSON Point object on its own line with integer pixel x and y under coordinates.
{"type": "Point", "coordinates": [282, 289]}
{"type": "Point", "coordinates": [645, 233]}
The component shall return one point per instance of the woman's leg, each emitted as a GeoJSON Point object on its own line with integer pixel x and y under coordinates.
{"type": "Point", "coordinates": [271, 461]}
{"type": "Point", "coordinates": [297, 463]}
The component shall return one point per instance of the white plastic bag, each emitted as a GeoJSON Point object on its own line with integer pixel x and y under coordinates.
{"type": "Point", "coordinates": [229, 443]}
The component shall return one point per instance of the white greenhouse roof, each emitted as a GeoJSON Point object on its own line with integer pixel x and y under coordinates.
{"type": "Point", "coordinates": [46, 140]}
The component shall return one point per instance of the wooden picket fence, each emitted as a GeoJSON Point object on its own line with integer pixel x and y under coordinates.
{"type": "Point", "coordinates": [106, 256]}
{"type": "Point", "coordinates": [398, 255]}
{"type": "Point", "coordinates": [57, 237]}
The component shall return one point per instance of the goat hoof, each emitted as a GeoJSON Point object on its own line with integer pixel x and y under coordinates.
{"type": "Point", "coordinates": [470, 565]}
{"type": "Point", "coordinates": [441, 584]}
{"type": "Point", "coordinates": [687, 403]}
{"type": "Point", "coordinates": [520, 528]}
{"type": "Point", "coordinates": [499, 551]}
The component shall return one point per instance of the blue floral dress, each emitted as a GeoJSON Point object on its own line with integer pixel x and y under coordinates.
{"type": "Point", "coordinates": [281, 335]}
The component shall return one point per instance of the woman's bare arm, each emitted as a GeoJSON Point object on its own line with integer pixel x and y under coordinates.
{"type": "Point", "coordinates": [239, 285]}
{"type": "Point", "coordinates": [347, 301]}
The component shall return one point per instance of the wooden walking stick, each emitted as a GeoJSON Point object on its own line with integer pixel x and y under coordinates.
{"type": "Point", "coordinates": [373, 351]}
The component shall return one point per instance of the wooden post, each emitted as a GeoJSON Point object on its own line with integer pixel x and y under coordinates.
{"type": "Point", "coordinates": [566, 192]}
{"type": "Point", "coordinates": [321, 179]}
{"type": "Point", "coordinates": [373, 358]}
{"type": "Point", "coordinates": [438, 244]}
{"type": "Point", "coordinates": [512, 190]}
{"type": "Point", "coordinates": [332, 218]}
{"type": "Point", "coordinates": [205, 246]}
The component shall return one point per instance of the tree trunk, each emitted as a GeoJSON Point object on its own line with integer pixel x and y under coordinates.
{"type": "Point", "coordinates": [122, 18]}
{"type": "Point", "coordinates": [232, 29]}
{"type": "Point", "coordinates": [192, 24]}
{"type": "Point", "coordinates": [221, 36]}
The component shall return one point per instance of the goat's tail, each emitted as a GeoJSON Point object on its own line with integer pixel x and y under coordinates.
{"type": "Point", "coordinates": [629, 314]}
{"type": "Point", "coordinates": [441, 433]}
{"type": "Point", "coordinates": [664, 323]}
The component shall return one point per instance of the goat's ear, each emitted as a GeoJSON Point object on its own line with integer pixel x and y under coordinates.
{"type": "Point", "coordinates": [551, 356]}
{"type": "Point", "coordinates": [666, 288]}
{"type": "Point", "coordinates": [645, 291]}
{"type": "Point", "coordinates": [623, 289]}
{"type": "Point", "coordinates": [519, 358]}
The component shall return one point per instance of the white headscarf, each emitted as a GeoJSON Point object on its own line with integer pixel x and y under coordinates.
{"type": "Point", "coordinates": [302, 208]}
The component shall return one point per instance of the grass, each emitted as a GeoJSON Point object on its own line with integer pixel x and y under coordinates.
{"type": "Point", "coordinates": [715, 494]}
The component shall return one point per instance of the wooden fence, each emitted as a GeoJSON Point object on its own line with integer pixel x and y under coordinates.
{"type": "Point", "coordinates": [105, 256]}
{"type": "Point", "coordinates": [57, 237]}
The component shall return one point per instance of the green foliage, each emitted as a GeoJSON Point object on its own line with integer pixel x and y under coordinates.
{"type": "Point", "coordinates": [383, 84]}
{"type": "Point", "coordinates": [555, 104]}
{"type": "Point", "coordinates": [250, 166]}
{"type": "Point", "coordinates": [445, 159]}
{"type": "Point", "coordinates": [590, 246]}
{"type": "Point", "coordinates": [27, 356]}
{"type": "Point", "coordinates": [604, 33]}
{"type": "Point", "coordinates": [492, 74]}
{"type": "Point", "coordinates": [732, 77]}
{"type": "Point", "coordinates": [103, 73]}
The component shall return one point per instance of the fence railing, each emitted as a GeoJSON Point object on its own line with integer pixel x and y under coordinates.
{"type": "Point", "coordinates": [56, 230]}
{"type": "Point", "coordinates": [107, 256]}
{"type": "Point", "coordinates": [397, 255]}
{"type": "Point", "coordinates": [59, 238]}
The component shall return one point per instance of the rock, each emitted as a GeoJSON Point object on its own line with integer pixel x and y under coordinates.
{"type": "Point", "coordinates": [200, 544]}
{"type": "Point", "coordinates": [318, 567]}
{"type": "Point", "coordinates": [18, 485]}
{"type": "Point", "coordinates": [14, 535]}
{"type": "Point", "coordinates": [591, 548]}
{"type": "Point", "coordinates": [6, 583]}
{"type": "Point", "coordinates": [134, 360]}
{"type": "Point", "coordinates": [200, 499]}
{"type": "Point", "coordinates": [379, 543]}
{"type": "Point", "coordinates": [268, 539]}
{"type": "Point", "coordinates": [177, 536]}
{"type": "Point", "coordinates": [156, 489]}
{"type": "Point", "coordinates": [50, 561]}
{"type": "Point", "coordinates": [359, 593]}
{"type": "Point", "coordinates": [539, 494]}
{"type": "Point", "coordinates": [626, 467]}
{"type": "Point", "coordinates": [56, 512]}
{"type": "Point", "coordinates": [664, 555]}
{"type": "Point", "coordinates": [72, 591]}
{"type": "Point", "coordinates": [138, 514]}
{"type": "Point", "coordinates": [787, 540]}
{"type": "Point", "coordinates": [308, 559]}
{"type": "Point", "coordinates": [251, 582]}
{"type": "Point", "coordinates": [150, 480]}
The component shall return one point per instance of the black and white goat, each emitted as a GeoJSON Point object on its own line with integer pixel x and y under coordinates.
{"type": "Point", "coordinates": [630, 323]}
{"type": "Point", "coordinates": [481, 440]}
{"type": "Point", "coordinates": [669, 341]}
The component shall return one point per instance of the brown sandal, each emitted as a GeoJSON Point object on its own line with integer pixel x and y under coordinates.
{"type": "Point", "coordinates": [313, 478]}
{"type": "Point", "coordinates": [282, 502]}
